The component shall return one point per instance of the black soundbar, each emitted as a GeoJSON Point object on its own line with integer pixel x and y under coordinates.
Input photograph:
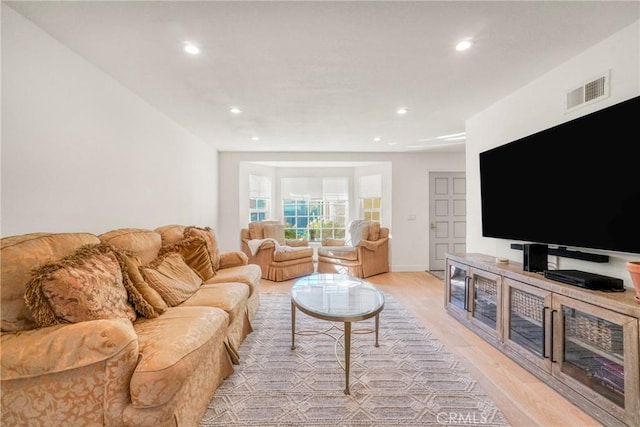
{"type": "Point", "coordinates": [563, 252]}
{"type": "Point", "coordinates": [586, 280]}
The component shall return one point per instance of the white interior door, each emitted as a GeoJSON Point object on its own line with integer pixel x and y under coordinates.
{"type": "Point", "coordinates": [447, 216]}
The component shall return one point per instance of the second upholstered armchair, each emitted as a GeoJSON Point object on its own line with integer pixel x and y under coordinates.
{"type": "Point", "coordinates": [364, 253]}
{"type": "Point", "coordinates": [279, 258]}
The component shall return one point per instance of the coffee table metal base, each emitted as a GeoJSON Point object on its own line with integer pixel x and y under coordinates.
{"type": "Point", "coordinates": [347, 339]}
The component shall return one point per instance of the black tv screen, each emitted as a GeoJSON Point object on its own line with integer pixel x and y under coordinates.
{"type": "Point", "coordinates": [576, 184]}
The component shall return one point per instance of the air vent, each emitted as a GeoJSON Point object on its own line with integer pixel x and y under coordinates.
{"type": "Point", "coordinates": [593, 90]}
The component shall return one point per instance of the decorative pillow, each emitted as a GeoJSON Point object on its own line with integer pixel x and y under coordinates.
{"type": "Point", "coordinates": [171, 233]}
{"type": "Point", "coordinates": [274, 231]}
{"type": "Point", "coordinates": [209, 237]}
{"type": "Point", "coordinates": [172, 278]}
{"type": "Point", "coordinates": [87, 285]}
{"type": "Point", "coordinates": [256, 229]}
{"type": "Point", "coordinates": [195, 253]}
{"type": "Point", "coordinates": [153, 304]}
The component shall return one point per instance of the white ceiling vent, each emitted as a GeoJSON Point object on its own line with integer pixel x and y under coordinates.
{"type": "Point", "coordinates": [593, 90]}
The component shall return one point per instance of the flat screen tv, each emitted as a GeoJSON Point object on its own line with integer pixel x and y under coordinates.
{"type": "Point", "coordinates": [576, 184]}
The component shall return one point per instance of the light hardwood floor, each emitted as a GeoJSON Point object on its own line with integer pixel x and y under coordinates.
{"type": "Point", "coordinates": [523, 399]}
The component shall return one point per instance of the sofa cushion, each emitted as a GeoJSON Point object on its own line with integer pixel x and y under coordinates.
{"type": "Point", "coordinates": [170, 351]}
{"type": "Point", "coordinates": [86, 285]}
{"type": "Point", "coordinates": [172, 278]}
{"type": "Point", "coordinates": [256, 228]}
{"type": "Point", "coordinates": [231, 297]}
{"type": "Point", "coordinates": [18, 256]}
{"type": "Point", "coordinates": [248, 274]}
{"type": "Point", "coordinates": [208, 235]}
{"type": "Point", "coordinates": [348, 253]}
{"type": "Point", "coordinates": [333, 242]}
{"type": "Point", "coordinates": [290, 253]}
{"type": "Point", "coordinates": [374, 231]}
{"type": "Point", "coordinates": [171, 233]}
{"type": "Point", "coordinates": [141, 242]}
{"type": "Point", "coordinates": [274, 231]}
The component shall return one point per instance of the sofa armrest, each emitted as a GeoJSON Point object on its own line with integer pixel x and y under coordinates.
{"type": "Point", "coordinates": [233, 259]}
{"type": "Point", "coordinates": [68, 374]}
{"type": "Point", "coordinates": [264, 245]}
{"type": "Point", "coordinates": [333, 242]}
{"type": "Point", "coordinates": [296, 243]}
{"type": "Point", "coordinates": [60, 348]}
{"type": "Point", "coordinates": [372, 245]}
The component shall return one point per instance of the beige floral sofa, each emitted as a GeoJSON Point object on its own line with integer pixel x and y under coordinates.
{"type": "Point", "coordinates": [132, 327]}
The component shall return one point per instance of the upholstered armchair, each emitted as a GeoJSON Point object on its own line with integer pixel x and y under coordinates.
{"type": "Point", "coordinates": [364, 253]}
{"type": "Point", "coordinates": [279, 259]}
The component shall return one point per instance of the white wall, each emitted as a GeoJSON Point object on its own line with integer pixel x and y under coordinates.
{"type": "Point", "coordinates": [538, 106]}
{"type": "Point", "coordinates": [80, 152]}
{"type": "Point", "coordinates": [409, 192]}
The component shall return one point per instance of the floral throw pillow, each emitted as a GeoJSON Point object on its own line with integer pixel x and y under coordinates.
{"type": "Point", "coordinates": [86, 285]}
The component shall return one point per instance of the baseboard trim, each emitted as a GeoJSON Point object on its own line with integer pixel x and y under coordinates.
{"type": "Point", "coordinates": [408, 268]}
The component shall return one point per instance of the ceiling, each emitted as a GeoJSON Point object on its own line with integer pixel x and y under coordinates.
{"type": "Point", "coordinates": [327, 75]}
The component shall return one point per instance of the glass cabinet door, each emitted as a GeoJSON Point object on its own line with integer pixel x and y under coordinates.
{"type": "Point", "coordinates": [487, 293]}
{"type": "Point", "coordinates": [457, 285]}
{"type": "Point", "coordinates": [526, 322]}
{"type": "Point", "coordinates": [592, 352]}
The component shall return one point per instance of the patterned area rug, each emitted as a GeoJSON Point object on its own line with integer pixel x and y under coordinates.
{"type": "Point", "coordinates": [409, 380]}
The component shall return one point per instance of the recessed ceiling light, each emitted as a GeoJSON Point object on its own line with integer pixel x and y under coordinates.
{"type": "Point", "coordinates": [235, 110]}
{"type": "Point", "coordinates": [377, 139]}
{"type": "Point", "coordinates": [191, 48]}
{"type": "Point", "coordinates": [255, 138]}
{"type": "Point", "coordinates": [464, 45]}
{"type": "Point", "coordinates": [402, 111]}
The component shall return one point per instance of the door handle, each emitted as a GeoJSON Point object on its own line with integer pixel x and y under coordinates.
{"type": "Point", "coordinates": [544, 332]}
{"type": "Point", "coordinates": [552, 330]}
{"type": "Point", "coordinates": [466, 293]}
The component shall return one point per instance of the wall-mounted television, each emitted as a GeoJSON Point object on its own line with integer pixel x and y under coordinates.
{"type": "Point", "coordinates": [576, 184]}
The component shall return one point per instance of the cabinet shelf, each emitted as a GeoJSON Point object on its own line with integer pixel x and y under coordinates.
{"type": "Point", "coordinates": [613, 357]}
{"type": "Point", "coordinates": [534, 322]}
{"type": "Point", "coordinates": [598, 378]}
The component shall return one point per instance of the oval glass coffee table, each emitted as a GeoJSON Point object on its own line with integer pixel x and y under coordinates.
{"type": "Point", "coordinates": [336, 298]}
